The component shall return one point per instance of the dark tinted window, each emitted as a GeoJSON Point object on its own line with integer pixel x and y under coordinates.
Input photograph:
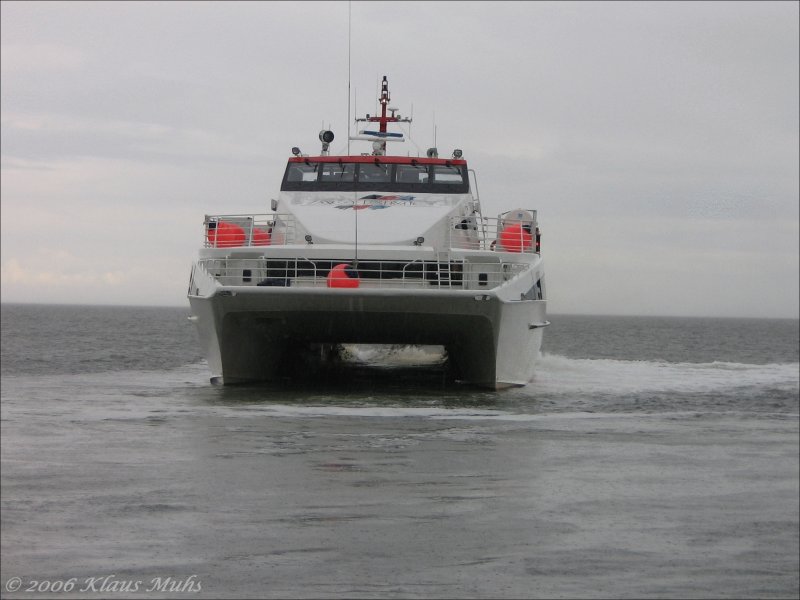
{"type": "Point", "coordinates": [297, 172]}
{"type": "Point", "coordinates": [446, 174]}
{"type": "Point", "coordinates": [376, 176]}
{"type": "Point", "coordinates": [338, 172]}
{"type": "Point", "coordinates": [375, 173]}
{"type": "Point", "coordinates": [411, 173]}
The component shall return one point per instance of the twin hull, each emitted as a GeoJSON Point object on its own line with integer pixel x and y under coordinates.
{"type": "Point", "coordinates": [249, 333]}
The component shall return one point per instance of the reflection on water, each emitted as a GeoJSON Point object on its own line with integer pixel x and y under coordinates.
{"type": "Point", "coordinates": [359, 385]}
{"type": "Point", "coordinates": [363, 375]}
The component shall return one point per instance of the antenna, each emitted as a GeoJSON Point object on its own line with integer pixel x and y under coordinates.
{"type": "Point", "coordinates": [349, 38]}
{"type": "Point", "coordinates": [349, 20]}
{"type": "Point", "coordinates": [355, 225]}
{"type": "Point", "coordinates": [377, 92]}
{"type": "Point", "coordinates": [355, 213]}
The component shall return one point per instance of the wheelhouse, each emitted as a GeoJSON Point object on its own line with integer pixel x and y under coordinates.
{"type": "Point", "coordinates": [384, 173]}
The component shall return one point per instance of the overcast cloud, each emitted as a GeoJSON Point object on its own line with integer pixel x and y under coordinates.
{"type": "Point", "coordinates": [659, 141]}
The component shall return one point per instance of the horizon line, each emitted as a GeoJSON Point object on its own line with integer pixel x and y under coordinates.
{"type": "Point", "coordinates": [564, 314]}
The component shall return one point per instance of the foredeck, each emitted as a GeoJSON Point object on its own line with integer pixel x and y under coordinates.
{"type": "Point", "coordinates": [265, 250]}
{"type": "Point", "coordinates": [449, 274]}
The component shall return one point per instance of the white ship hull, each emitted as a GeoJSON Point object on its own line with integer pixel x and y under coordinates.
{"type": "Point", "coordinates": [253, 333]}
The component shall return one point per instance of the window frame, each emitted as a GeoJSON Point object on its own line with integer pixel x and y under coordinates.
{"type": "Point", "coordinates": [427, 187]}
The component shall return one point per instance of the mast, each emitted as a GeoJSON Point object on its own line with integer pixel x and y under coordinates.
{"type": "Point", "coordinates": [380, 137]}
{"type": "Point", "coordinates": [384, 100]}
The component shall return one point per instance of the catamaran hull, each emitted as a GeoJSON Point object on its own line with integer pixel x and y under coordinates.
{"type": "Point", "coordinates": [250, 334]}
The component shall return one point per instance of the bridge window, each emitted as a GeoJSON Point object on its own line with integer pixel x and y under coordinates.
{"type": "Point", "coordinates": [446, 174]}
{"type": "Point", "coordinates": [298, 172]}
{"type": "Point", "coordinates": [412, 174]}
{"type": "Point", "coordinates": [374, 173]}
{"type": "Point", "coordinates": [413, 177]}
{"type": "Point", "coordinates": [337, 172]}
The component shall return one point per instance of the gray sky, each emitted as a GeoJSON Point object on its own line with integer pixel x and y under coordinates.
{"type": "Point", "coordinates": [658, 140]}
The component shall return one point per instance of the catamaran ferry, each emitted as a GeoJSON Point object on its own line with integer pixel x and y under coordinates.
{"type": "Point", "coordinates": [371, 248]}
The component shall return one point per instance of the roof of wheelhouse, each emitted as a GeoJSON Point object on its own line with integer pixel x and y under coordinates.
{"type": "Point", "coordinates": [379, 158]}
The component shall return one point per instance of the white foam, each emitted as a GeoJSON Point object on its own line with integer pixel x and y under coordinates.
{"type": "Point", "coordinates": [394, 355]}
{"type": "Point", "coordinates": [297, 410]}
{"type": "Point", "coordinates": [559, 374]}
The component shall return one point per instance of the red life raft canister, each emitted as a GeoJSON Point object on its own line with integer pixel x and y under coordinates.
{"type": "Point", "coordinates": [343, 276]}
{"type": "Point", "coordinates": [222, 234]}
{"type": "Point", "coordinates": [515, 238]}
{"type": "Point", "coordinates": [260, 237]}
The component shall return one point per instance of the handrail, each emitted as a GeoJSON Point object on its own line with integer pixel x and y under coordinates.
{"type": "Point", "coordinates": [409, 264]}
{"type": "Point", "coordinates": [308, 260]}
{"type": "Point", "coordinates": [513, 234]}
{"type": "Point", "coordinates": [248, 230]}
{"type": "Point", "coordinates": [501, 234]}
{"type": "Point", "coordinates": [417, 273]}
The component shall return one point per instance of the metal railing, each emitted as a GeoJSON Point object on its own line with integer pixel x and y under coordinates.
{"type": "Point", "coordinates": [237, 231]}
{"type": "Point", "coordinates": [515, 232]}
{"type": "Point", "coordinates": [306, 272]}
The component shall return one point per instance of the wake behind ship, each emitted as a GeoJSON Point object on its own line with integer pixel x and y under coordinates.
{"type": "Point", "coordinates": [371, 249]}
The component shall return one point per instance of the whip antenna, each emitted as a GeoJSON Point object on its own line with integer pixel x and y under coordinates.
{"type": "Point", "coordinates": [349, 20]}
{"type": "Point", "coordinates": [355, 211]}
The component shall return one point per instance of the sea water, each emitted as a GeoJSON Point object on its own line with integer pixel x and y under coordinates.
{"type": "Point", "coordinates": [648, 457]}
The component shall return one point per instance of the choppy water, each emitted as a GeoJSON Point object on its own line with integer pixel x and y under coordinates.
{"type": "Point", "coordinates": [650, 457]}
